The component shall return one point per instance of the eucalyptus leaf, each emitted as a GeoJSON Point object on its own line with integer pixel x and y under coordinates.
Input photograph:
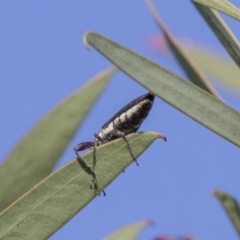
{"type": "Point", "coordinates": [231, 207]}
{"type": "Point", "coordinates": [221, 30]}
{"type": "Point", "coordinates": [55, 200]}
{"type": "Point", "coordinates": [130, 231]}
{"type": "Point", "coordinates": [186, 97]}
{"type": "Point", "coordinates": [219, 67]}
{"type": "Point", "coordinates": [223, 6]}
{"type": "Point", "coordinates": [37, 153]}
{"type": "Point", "coordinates": [195, 74]}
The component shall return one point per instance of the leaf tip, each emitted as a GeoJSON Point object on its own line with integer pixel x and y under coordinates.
{"type": "Point", "coordinates": [160, 135]}
{"type": "Point", "coordinates": [215, 193]}
{"type": "Point", "coordinates": [150, 223]}
{"type": "Point", "coordinates": [85, 41]}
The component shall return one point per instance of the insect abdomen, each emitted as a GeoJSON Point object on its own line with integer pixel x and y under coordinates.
{"type": "Point", "coordinates": [131, 120]}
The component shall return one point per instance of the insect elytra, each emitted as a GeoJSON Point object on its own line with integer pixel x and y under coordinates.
{"type": "Point", "coordinates": [126, 121]}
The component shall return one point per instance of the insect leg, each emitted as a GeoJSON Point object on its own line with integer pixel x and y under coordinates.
{"type": "Point", "coordinates": [82, 162]}
{"type": "Point", "coordinates": [122, 134]}
{"type": "Point", "coordinates": [96, 143]}
{"type": "Point", "coordinates": [83, 146]}
{"type": "Point", "coordinates": [130, 150]}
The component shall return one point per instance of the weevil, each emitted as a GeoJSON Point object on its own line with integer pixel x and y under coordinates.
{"type": "Point", "coordinates": [126, 121]}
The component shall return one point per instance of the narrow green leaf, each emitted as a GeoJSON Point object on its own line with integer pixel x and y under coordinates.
{"type": "Point", "coordinates": [231, 207]}
{"type": "Point", "coordinates": [34, 157]}
{"type": "Point", "coordinates": [186, 97]}
{"type": "Point", "coordinates": [54, 201]}
{"type": "Point", "coordinates": [223, 6]}
{"type": "Point", "coordinates": [128, 232]}
{"type": "Point", "coordinates": [194, 73]}
{"type": "Point", "coordinates": [221, 30]}
{"type": "Point", "coordinates": [222, 69]}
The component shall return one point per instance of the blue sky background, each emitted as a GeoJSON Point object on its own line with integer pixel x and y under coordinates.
{"type": "Point", "coordinates": [43, 59]}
